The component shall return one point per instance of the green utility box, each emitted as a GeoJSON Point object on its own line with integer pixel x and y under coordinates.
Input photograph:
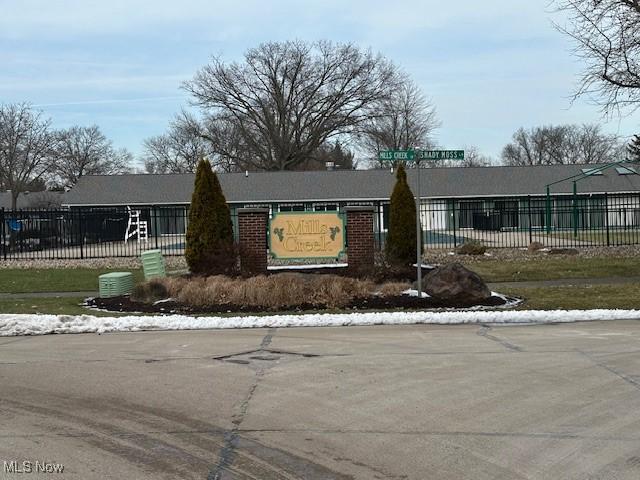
{"type": "Point", "coordinates": [153, 264]}
{"type": "Point", "coordinates": [115, 284]}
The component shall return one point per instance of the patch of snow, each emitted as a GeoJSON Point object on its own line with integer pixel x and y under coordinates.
{"type": "Point", "coordinates": [509, 302]}
{"type": "Point", "coordinates": [30, 324]}
{"type": "Point", "coordinates": [499, 295]}
{"type": "Point", "coordinates": [165, 300]}
{"type": "Point", "coordinates": [414, 293]}
{"type": "Point", "coordinates": [307, 267]}
{"type": "Point", "coordinates": [425, 266]}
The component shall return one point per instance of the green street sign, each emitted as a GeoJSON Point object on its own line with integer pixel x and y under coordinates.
{"type": "Point", "coordinates": [440, 154]}
{"type": "Point", "coordinates": [397, 155]}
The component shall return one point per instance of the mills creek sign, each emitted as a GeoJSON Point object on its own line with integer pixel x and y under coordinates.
{"type": "Point", "coordinates": [306, 235]}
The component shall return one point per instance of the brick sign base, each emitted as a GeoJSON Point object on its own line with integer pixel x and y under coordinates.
{"type": "Point", "coordinates": [252, 228]}
{"type": "Point", "coordinates": [360, 245]}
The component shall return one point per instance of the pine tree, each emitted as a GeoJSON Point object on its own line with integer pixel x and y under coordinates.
{"type": "Point", "coordinates": [633, 149]}
{"type": "Point", "coordinates": [401, 238]}
{"type": "Point", "coordinates": [209, 248]}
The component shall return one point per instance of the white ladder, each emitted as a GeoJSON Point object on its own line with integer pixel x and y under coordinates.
{"type": "Point", "coordinates": [135, 226]}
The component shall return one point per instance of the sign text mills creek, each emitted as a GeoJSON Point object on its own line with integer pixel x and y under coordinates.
{"type": "Point", "coordinates": [306, 235]}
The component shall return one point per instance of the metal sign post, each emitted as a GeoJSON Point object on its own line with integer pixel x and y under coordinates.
{"type": "Point", "coordinates": [417, 155]}
{"type": "Point", "coordinates": [418, 234]}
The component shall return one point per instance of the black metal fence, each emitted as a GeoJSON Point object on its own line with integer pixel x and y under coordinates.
{"type": "Point", "coordinates": [90, 233]}
{"type": "Point", "coordinates": [605, 220]}
{"type": "Point", "coordinates": [587, 220]}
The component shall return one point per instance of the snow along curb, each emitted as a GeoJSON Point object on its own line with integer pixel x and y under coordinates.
{"type": "Point", "coordinates": [46, 324]}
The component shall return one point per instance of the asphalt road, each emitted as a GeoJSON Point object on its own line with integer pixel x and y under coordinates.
{"type": "Point", "coordinates": [410, 402]}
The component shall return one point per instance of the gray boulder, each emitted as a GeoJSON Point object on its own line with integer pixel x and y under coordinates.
{"type": "Point", "coordinates": [456, 284]}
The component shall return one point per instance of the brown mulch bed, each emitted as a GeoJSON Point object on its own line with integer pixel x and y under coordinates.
{"type": "Point", "coordinates": [125, 304]}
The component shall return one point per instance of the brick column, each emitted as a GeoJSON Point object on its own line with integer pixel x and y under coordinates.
{"type": "Point", "coordinates": [360, 247]}
{"type": "Point", "coordinates": [252, 230]}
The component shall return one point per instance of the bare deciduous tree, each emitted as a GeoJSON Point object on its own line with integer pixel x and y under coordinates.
{"type": "Point", "coordinates": [633, 149]}
{"type": "Point", "coordinates": [472, 158]}
{"type": "Point", "coordinates": [79, 151]}
{"type": "Point", "coordinates": [606, 34]}
{"type": "Point", "coordinates": [230, 153]}
{"type": "Point", "coordinates": [287, 99]}
{"type": "Point", "coordinates": [332, 156]}
{"type": "Point", "coordinates": [402, 121]}
{"type": "Point", "coordinates": [24, 148]}
{"type": "Point", "coordinates": [230, 150]}
{"type": "Point", "coordinates": [180, 149]}
{"type": "Point", "coordinates": [563, 144]}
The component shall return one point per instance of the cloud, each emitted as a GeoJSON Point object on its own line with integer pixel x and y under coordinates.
{"type": "Point", "coordinates": [110, 101]}
{"type": "Point", "coordinates": [65, 18]}
{"type": "Point", "coordinates": [101, 81]}
{"type": "Point", "coordinates": [376, 18]}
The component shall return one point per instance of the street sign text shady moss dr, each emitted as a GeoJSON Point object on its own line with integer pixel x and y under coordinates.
{"type": "Point", "coordinates": [306, 235]}
{"type": "Point", "coordinates": [410, 155]}
{"type": "Point", "coordinates": [440, 154]}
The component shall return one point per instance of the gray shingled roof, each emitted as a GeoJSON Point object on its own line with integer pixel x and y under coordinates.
{"type": "Point", "coordinates": [32, 200]}
{"type": "Point", "coordinates": [354, 185]}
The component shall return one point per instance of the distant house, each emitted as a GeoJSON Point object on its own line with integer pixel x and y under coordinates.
{"type": "Point", "coordinates": [498, 197]}
{"type": "Point", "coordinates": [31, 200]}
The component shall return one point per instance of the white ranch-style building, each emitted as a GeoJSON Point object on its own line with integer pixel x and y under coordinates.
{"type": "Point", "coordinates": [501, 205]}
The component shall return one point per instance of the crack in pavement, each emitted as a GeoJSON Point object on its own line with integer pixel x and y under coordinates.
{"type": "Point", "coordinates": [210, 431]}
{"type": "Point", "coordinates": [271, 350]}
{"type": "Point", "coordinates": [436, 433]}
{"type": "Point", "coordinates": [622, 376]}
{"type": "Point", "coordinates": [444, 433]}
{"type": "Point", "coordinates": [231, 437]}
{"type": "Point", "coordinates": [484, 332]}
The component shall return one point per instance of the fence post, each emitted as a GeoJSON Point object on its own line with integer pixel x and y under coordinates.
{"type": "Point", "coordinates": [4, 233]}
{"type": "Point", "coordinates": [154, 212]}
{"type": "Point", "coordinates": [81, 231]}
{"type": "Point", "coordinates": [575, 213]}
{"type": "Point", "coordinates": [606, 217]}
{"type": "Point", "coordinates": [453, 214]}
{"type": "Point", "coordinates": [530, 223]}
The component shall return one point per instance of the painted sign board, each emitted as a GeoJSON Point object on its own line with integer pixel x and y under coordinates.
{"type": "Point", "coordinates": [440, 154]}
{"type": "Point", "coordinates": [396, 155]}
{"type": "Point", "coordinates": [297, 235]}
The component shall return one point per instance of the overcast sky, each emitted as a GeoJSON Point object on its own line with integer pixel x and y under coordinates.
{"type": "Point", "coordinates": [119, 63]}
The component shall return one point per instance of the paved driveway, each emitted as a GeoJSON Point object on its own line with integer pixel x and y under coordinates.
{"type": "Point", "coordinates": [411, 402]}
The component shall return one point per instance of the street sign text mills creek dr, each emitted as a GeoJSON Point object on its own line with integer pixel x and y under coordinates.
{"type": "Point", "coordinates": [410, 155]}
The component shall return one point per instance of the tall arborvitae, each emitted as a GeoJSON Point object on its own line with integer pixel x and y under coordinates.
{"type": "Point", "coordinates": [633, 149]}
{"type": "Point", "coordinates": [400, 246]}
{"type": "Point", "coordinates": [223, 224]}
{"type": "Point", "coordinates": [209, 248]}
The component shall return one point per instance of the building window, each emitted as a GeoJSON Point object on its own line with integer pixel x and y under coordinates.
{"type": "Point", "coordinates": [508, 213]}
{"type": "Point", "coordinates": [291, 208]}
{"type": "Point", "coordinates": [466, 210]}
{"type": "Point", "coordinates": [171, 220]}
{"type": "Point", "coordinates": [326, 208]}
